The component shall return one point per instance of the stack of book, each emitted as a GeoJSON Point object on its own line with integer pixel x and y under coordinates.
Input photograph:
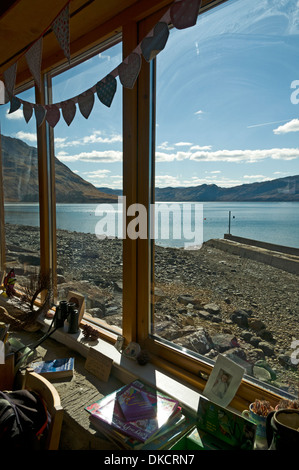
{"type": "Point", "coordinates": [139, 417]}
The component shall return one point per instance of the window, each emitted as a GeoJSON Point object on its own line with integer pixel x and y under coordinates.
{"type": "Point", "coordinates": [21, 195]}
{"type": "Point", "coordinates": [88, 184]}
{"type": "Point", "coordinates": [225, 160]}
{"type": "Point", "coordinates": [216, 113]}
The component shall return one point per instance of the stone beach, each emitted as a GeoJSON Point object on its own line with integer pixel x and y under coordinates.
{"type": "Point", "coordinates": [206, 300]}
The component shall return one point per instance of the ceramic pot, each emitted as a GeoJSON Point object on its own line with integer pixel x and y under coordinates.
{"type": "Point", "coordinates": [259, 420]}
{"type": "Point", "coordinates": [283, 429]}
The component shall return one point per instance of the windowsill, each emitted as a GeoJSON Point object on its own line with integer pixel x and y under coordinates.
{"type": "Point", "coordinates": [126, 369]}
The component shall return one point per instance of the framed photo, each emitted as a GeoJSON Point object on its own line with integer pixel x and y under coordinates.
{"type": "Point", "coordinates": [79, 300]}
{"type": "Point", "coordinates": [224, 381]}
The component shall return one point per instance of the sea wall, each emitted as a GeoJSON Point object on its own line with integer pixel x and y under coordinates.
{"type": "Point", "coordinates": [244, 248]}
{"type": "Point", "coordinates": [289, 250]}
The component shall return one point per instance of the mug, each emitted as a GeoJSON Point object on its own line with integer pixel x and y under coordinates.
{"type": "Point", "coordinates": [259, 420]}
{"type": "Point", "coordinates": [283, 429]}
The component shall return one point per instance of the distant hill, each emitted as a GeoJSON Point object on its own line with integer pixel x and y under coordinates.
{"type": "Point", "coordinates": [282, 189]}
{"type": "Point", "coordinates": [20, 177]}
{"type": "Point", "coordinates": [20, 171]}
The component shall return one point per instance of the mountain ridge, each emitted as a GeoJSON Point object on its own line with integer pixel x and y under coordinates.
{"type": "Point", "coordinates": [276, 190]}
{"type": "Point", "coordinates": [20, 177]}
{"type": "Point", "coordinates": [20, 180]}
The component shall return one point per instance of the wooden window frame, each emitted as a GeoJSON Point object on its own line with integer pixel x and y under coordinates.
{"type": "Point", "coordinates": [139, 106]}
{"type": "Point", "coordinates": [138, 256]}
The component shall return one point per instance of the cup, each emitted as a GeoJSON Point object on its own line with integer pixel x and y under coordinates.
{"type": "Point", "coordinates": [259, 420]}
{"type": "Point", "coordinates": [283, 429]}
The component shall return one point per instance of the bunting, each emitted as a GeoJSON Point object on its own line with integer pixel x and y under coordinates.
{"type": "Point", "coordinates": [86, 102]}
{"type": "Point", "coordinates": [10, 79]}
{"type": "Point", "coordinates": [34, 60]}
{"type": "Point", "coordinates": [68, 109]}
{"type": "Point", "coordinates": [61, 29]}
{"type": "Point", "coordinates": [181, 14]}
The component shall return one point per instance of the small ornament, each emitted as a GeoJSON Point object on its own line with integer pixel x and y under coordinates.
{"type": "Point", "coordinates": [90, 333]}
{"type": "Point", "coordinates": [143, 357]}
{"type": "Point", "coordinates": [132, 350]}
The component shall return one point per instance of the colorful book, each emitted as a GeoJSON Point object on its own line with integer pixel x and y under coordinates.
{"type": "Point", "coordinates": [165, 439]}
{"type": "Point", "coordinates": [107, 411]}
{"type": "Point", "coordinates": [135, 404]}
{"type": "Point", "coordinates": [130, 443]}
{"type": "Point", "coordinates": [224, 425]}
{"type": "Point", "coordinates": [55, 368]}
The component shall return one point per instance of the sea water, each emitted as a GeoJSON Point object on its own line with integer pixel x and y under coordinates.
{"type": "Point", "coordinates": [272, 222]}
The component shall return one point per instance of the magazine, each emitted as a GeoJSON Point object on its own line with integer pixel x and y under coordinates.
{"type": "Point", "coordinates": [55, 368]}
{"type": "Point", "coordinates": [108, 411]}
{"type": "Point", "coordinates": [135, 404]}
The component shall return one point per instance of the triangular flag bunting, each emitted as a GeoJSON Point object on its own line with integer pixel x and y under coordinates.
{"type": "Point", "coordinates": [61, 29]}
{"type": "Point", "coordinates": [53, 114]}
{"type": "Point", "coordinates": [15, 103]}
{"type": "Point", "coordinates": [86, 102]}
{"type": "Point", "coordinates": [106, 90]}
{"type": "Point", "coordinates": [34, 59]}
{"type": "Point", "coordinates": [10, 79]}
{"type": "Point", "coordinates": [152, 45]}
{"type": "Point", "coordinates": [27, 111]}
{"type": "Point", "coordinates": [184, 13]}
{"type": "Point", "coordinates": [40, 113]}
{"type": "Point", "coordinates": [68, 109]}
{"type": "Point", "coordinates": [129, 70]}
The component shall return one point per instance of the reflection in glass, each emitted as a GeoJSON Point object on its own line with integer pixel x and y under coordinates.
{"type": "Point", "coordinates": [88, 179]}
{"type": "Point", "coordinates": [21, 193]}
{"type": "Point", "coordinates": [223, 142]}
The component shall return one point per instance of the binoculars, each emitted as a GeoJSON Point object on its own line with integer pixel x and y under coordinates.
{"type": "Point", "coordinates": [67, 311]}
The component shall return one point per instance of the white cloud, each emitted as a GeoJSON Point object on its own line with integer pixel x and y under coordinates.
{"type": "Point", "coordinates": [199, 112]}
{"type": "Point", "coordinates": [108, 156]}
{"type": "Point", "coordinates": [16, 115]}
{"type": "Point", "coordinates": [163, 181]}
{"type": "Point", "coordinates": [183, 144]}
{"type": "Point", "coordinates": [59, 140]}
{"type": "Point", "coordinates": [256, 178]}
{"type": "Point", "coordinates": [291, 126]}
{"type": "Point", "coordinates": [246, 156]}
{"type": "Point", "coordinates": [198, 147]}
{"type": "Point", "coordinates": [165, 146]}
{"type": "Point", "coordinates": [61, 153]}
{"type": "Point", "coordinates": [104, 56]}
{"type": "Point", "coordinates": [28, 136]}
{"type": "Point", "coordinates": [96, 137]}
{"type": "Point", "coordinates": [234, 156]}
{"type": "Point", "coordinates": [97, 174]}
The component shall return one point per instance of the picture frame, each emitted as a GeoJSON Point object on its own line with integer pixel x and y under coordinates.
{"type": "Point", "coordinates": [79, 300]}
{"type": "Point", "coordinates": [224, 381]}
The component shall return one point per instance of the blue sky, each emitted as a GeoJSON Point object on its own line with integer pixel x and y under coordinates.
{"type": "Point", "coordinates": [224, 109]}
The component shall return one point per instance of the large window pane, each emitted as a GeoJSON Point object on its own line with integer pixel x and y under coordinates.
{"type": "Point", "coordinates": [226, 161]}
{"type": "Point", "coordinates": [88, 179]}
{"type": "Point", "coordinates": [21, 195]}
